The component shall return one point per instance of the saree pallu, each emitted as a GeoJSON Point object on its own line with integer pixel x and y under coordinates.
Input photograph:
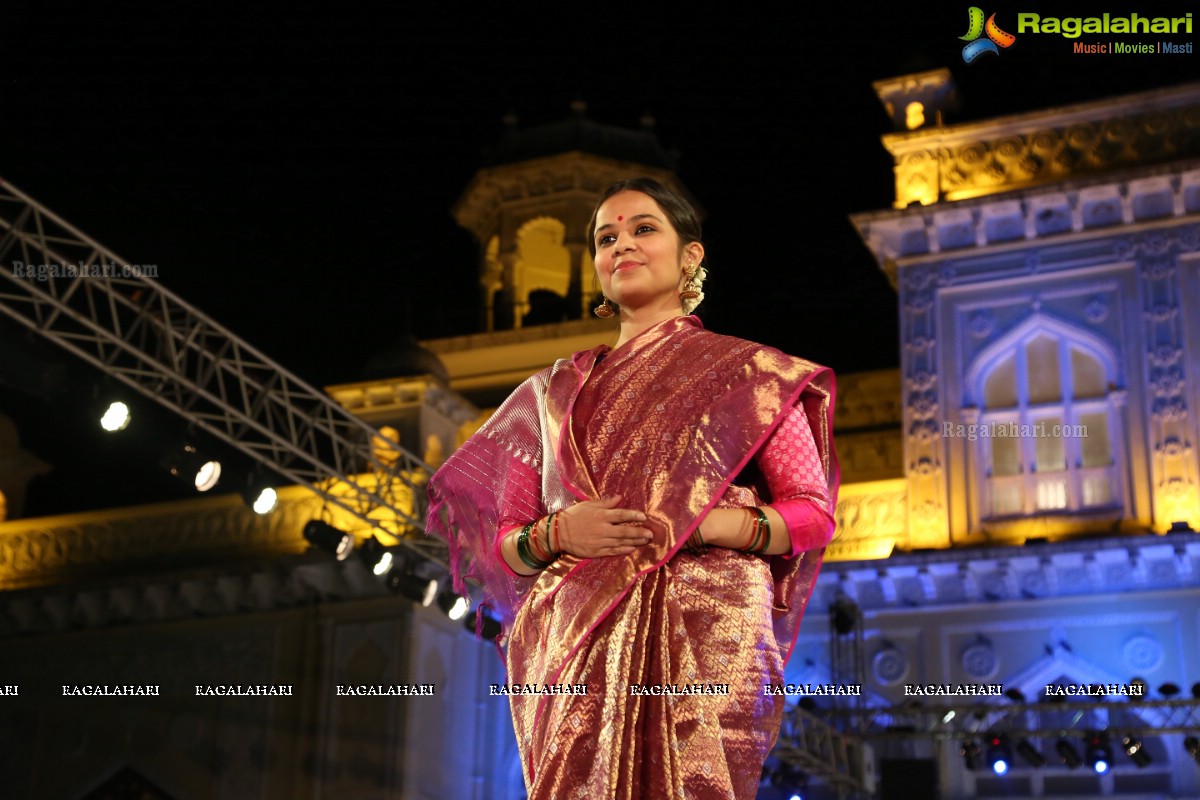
{"type": "Point", "coordinates": [672, 418]}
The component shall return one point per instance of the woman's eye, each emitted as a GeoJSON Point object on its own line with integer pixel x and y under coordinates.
{"type": "Point", "coordinates": [644, 228]}
{"type": "Point", "coordinates": [606, 239]}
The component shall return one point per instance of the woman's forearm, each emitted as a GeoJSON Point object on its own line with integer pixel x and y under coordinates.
{"type": "Point", "coordinates": [734, 528]}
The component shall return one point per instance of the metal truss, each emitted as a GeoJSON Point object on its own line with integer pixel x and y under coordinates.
{"type": "Point", "coordinates": [818, 748]}
{"type": "Point", "coordinates": [831, 745]}
{"type": "Point", "coordinates": [85, 298]}
{"type": "Point", "coordinates": [970, 720]}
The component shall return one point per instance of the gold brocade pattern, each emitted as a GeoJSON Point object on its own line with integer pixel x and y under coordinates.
{"type": "Point", "coordinates": [698, 623]}
{"type": "Point", "coordinates": [666, 422]}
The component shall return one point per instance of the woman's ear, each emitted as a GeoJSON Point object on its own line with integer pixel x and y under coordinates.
{"type": "Point", "coordinates": [693, 253]}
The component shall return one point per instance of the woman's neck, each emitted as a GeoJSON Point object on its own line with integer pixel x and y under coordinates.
{"type": "Point", "coordinates": [634, 323]}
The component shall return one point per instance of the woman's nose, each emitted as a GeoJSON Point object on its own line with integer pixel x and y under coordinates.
{"type": "Point", "coordinates": [625, 241]}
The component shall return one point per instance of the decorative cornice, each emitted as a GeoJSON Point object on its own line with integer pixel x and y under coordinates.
{"type": "Point", "coordinates": [1001, 154]}
{"type": "Point", "coordinates": [385, 399]}
{"type": "Point", "coordinates": [1095, 207]}
{"type": "Point", "coordinates": [83, 547]}
{"type": "Point", "coordinates": [527, 186]}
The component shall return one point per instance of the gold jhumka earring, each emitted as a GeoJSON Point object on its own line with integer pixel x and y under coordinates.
{"type": "Point", "coordinates": [691, 287]}
{"type": "Point", "coordinates": [604, 310]}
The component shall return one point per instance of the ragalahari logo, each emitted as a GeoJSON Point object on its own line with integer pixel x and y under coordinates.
{"type": "Point", "coordinates": [975, 28]}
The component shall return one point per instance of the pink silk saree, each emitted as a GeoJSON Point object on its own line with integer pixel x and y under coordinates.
{"type": "Point", "coordinates": [667, 422]}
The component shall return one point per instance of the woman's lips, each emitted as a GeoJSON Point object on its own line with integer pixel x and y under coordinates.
{"type": "Point", "coordinates": [626, 265]}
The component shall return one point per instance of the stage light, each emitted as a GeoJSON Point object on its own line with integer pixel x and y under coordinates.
{"type": "Point", "coordinates": [1169, 690]}
{"type": "Point", "coordinates": [844, 616]}
{"type": "Point", "coordinates": [187, 464]}
{"type": "Point", "coordinates": [1192, 745]}
{"type": "Point", "coordinates": [1015, 694]}
{"type": "Point", "coordinates": [456, 606]}
{"type": "Point", "coordinates": [1136, 750]}
{"type": "Point", "coordinates": [116, 417]}
{"type": "Point", "coordinates": [1031, 754]}
{"type": "Point", "coordinates": [328, 538]}
{"type": "Point", "coordinates": [412, 587]}
{"type": "Point", "coordinates": [790, 779]}
{"type": "Point", "coordinates": [486, 625]}
{"type": "Point", "coordinates": [1069, 755]}
{"type": "Point", "coordinates": [1099, 754]}
{"type": "Point", "coordinates": [259, 494]}
{"type": "Point", "coordinates": [971, 754]}
{"type": "Point", "coordinates": [999, 755]}
{"type": "Point", "coordinates": [375, 556]}
{"type": "Point", "coordinates": [1196, 690]}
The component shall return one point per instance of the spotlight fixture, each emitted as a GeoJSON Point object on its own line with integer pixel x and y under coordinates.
{"type": "Point", "coordinates": [1196, 691]}
{"type": "Point", "coordinates": [1192, 745]}
{"type": "Point", "coordinates": [328, 538]}
{"type": "Point", "coordinates": [259, 494]}
{"type": "Point", "coordinates": [790, 779]}
{"type": "Point", "coordinates": [412, 586]}
{"type": "Point", "coordinates": [971, 754]}
{"type": "Point", "coordinates": [1015, 694]}
{"type": "Point", "coordinates": [1069, 755]}
{"type": "Point", "coordinates": [1031, 754]}
{"type": "Point", "coordinates": [1098, 753]}
{"type": "Point", "coordinates": [486, 625]}
{"type": "Point", "coordinates": [455, 605]}
{"type": "Point", "coordinates": [377, 557]}
{"type": "Point", "coordinates": [844, 615]}
{"type": "Point", "coordinates": [116, 417]}
{"type": "Point", "coordinates": [1136, 750]}
{"type": "Point", "coordinates": [1169, 690]}
{"type": "Point", "coordinates": [999, 754]}
{"type": "Point", "coordinates": [188, 464]}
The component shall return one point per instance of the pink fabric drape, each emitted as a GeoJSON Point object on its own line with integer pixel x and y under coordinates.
{"type": "Point", "coordinates": [667, 421]}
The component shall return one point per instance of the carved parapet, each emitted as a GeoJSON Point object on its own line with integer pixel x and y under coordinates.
{"type": "Point", "coordinates": [970, 160]}
{"type": "Point", "coordinates": [167, 537]}
{"type": "Point", "coordinates": [51, 550]}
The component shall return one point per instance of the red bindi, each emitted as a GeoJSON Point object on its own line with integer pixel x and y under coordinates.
{"type": "Point", "coordinates": [620, 218]}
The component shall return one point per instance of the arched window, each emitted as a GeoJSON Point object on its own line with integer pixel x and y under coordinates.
{"type": "Point", "coordinates": [1046, 427]}
{"type": "Point", "coordinates": [543, 265]}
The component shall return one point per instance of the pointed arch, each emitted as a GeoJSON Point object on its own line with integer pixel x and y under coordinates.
{"type": "Point", "coordinates": [1046, 436]}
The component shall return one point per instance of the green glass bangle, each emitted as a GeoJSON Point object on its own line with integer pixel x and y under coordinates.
{"type": "Point", "coordinates": [764, 525]}
{"type": "Point", "coordinates": [523, 551]}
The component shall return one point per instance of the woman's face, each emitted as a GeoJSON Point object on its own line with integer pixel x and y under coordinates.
{"type": "Point", "coordinates": [639, 260]}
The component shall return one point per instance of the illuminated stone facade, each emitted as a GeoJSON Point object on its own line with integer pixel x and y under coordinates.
{"type": "Point", "coordinates": [1048, 273]}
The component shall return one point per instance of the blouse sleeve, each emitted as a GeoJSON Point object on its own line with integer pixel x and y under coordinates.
{"type": "Point", "coordinates": [519, 505]}
{"type": "Point", "coordinates": [796, 480]}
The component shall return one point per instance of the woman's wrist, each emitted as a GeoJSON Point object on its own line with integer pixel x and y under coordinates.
{"type": "Point", "coordinates": [760, 530]}
{"type": "Point", "coordinates": [531, 548]}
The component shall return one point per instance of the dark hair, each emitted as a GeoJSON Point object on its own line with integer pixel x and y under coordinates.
{"type": "Point", "coordinates": [680, 213]}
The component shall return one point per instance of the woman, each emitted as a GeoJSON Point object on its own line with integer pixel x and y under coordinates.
{"type": "Point", "coordinates": [649, 520]}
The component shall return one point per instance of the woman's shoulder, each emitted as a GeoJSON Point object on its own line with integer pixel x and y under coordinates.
{"type": "Point", "coordinates": [763, 355]}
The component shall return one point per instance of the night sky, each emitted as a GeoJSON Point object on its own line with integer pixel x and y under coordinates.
{"type": "Point", "coordinates": [290, 168]}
